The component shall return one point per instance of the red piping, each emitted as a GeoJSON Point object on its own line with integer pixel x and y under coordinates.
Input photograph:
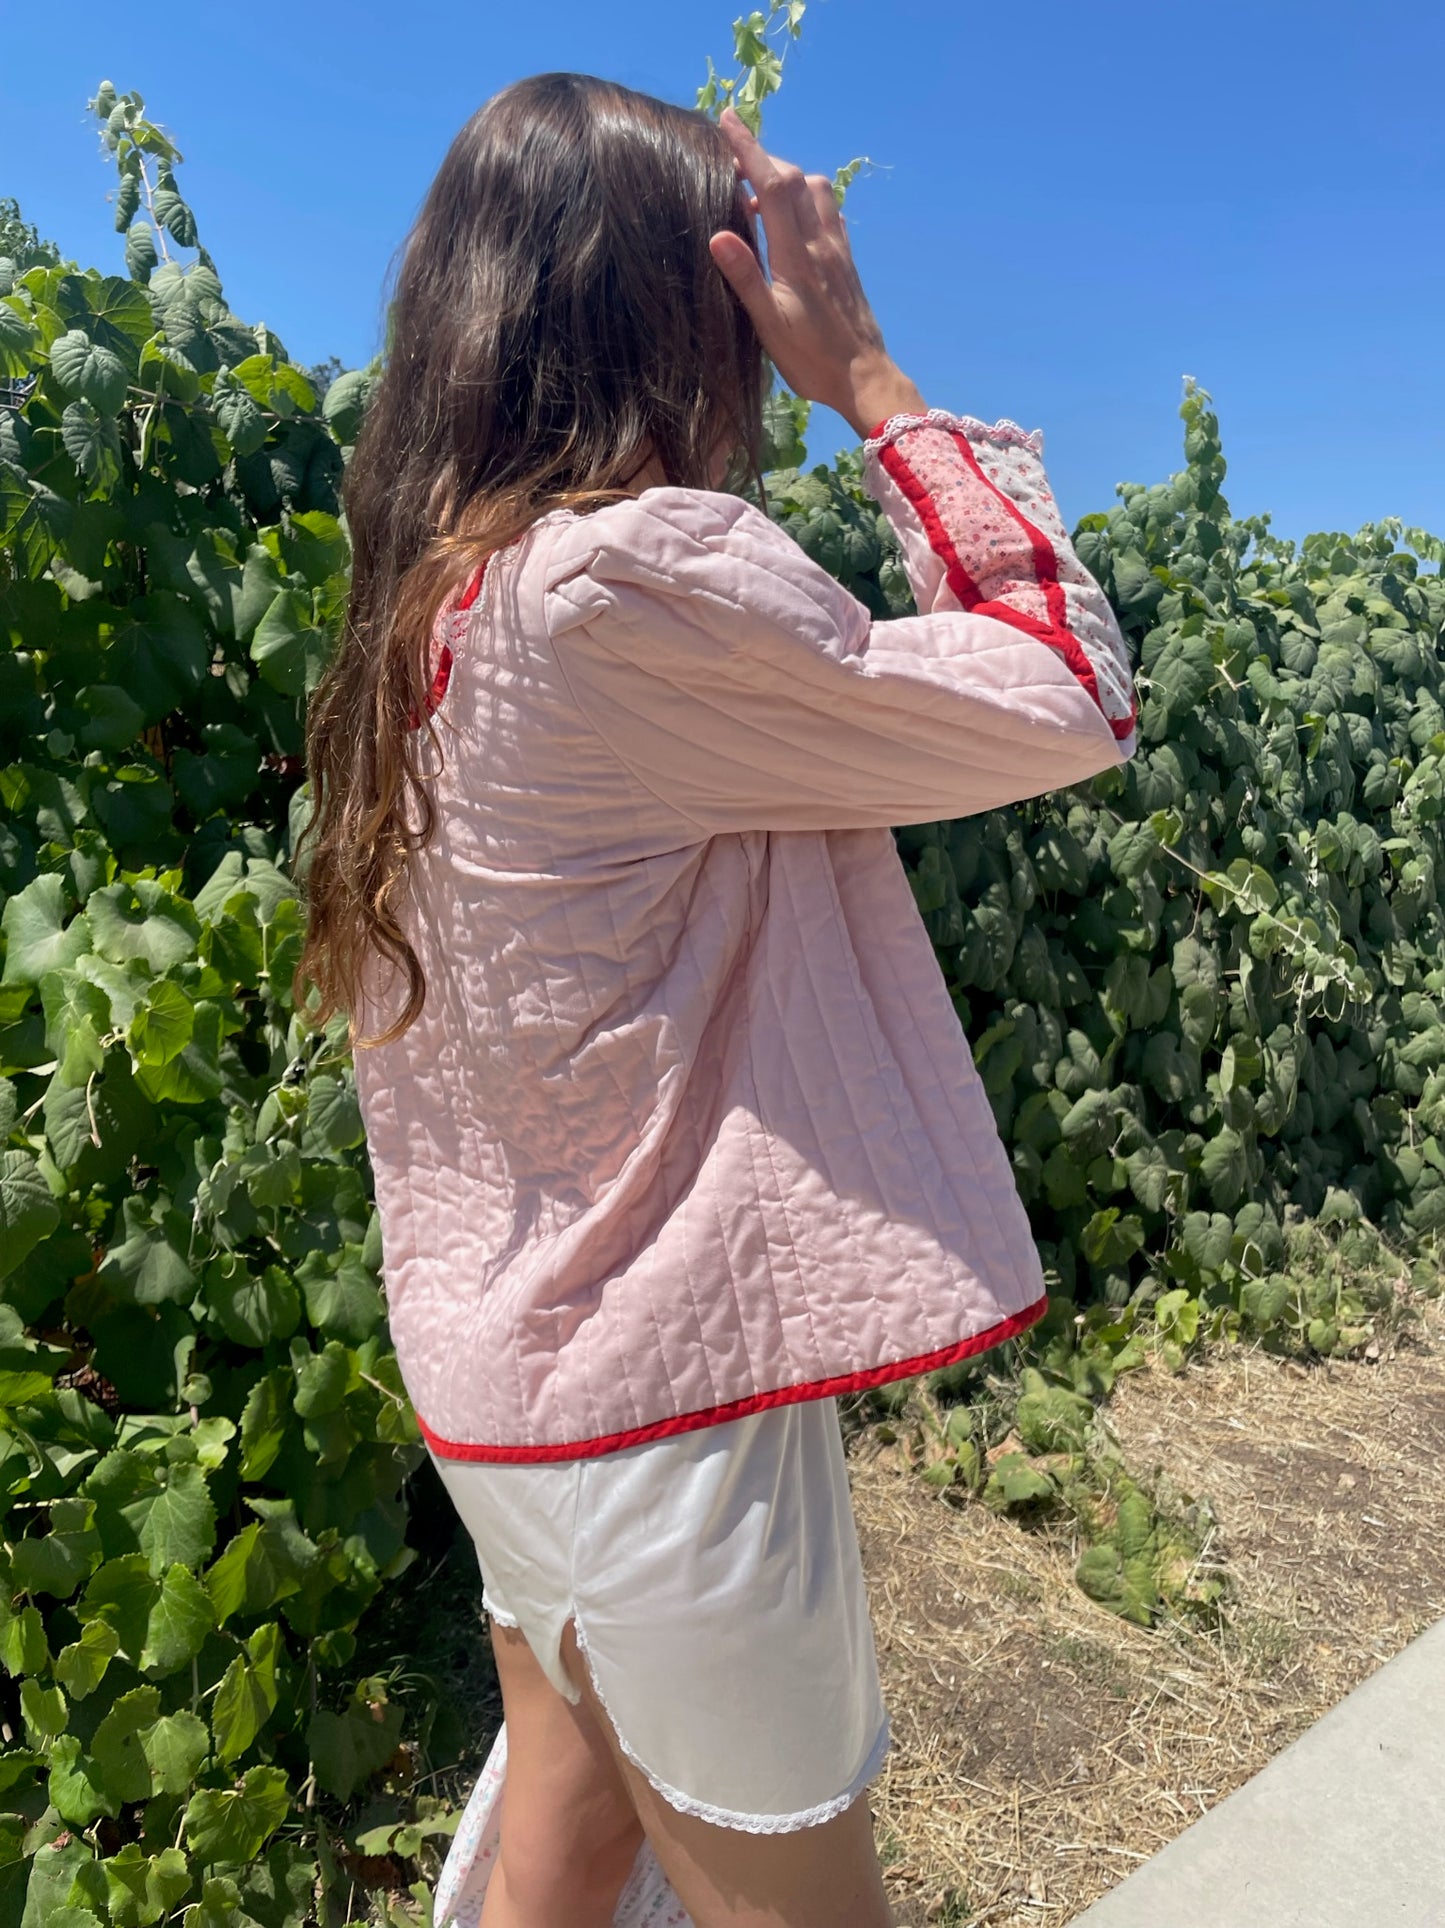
{"type": "Point", "coordinates": [1046, 563]}
{"type": "Point", "coordinates": [1056, 632]}
{"type": "Point", "coordinates": [443, 675]}
{"type": "Point", "coordinates": [939, 540]}
{"type": "Point", "coordinates": [757, 1402]}
{"type": "Point", "coordinates": [1046, 570]}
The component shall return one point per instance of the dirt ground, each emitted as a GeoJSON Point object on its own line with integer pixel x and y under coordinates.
{"type": "Point", "coordinates": [1043, 1747]}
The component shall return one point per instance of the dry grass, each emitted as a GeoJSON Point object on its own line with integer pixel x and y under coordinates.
{"type": "Point", "coordinates": [1042, 1747]}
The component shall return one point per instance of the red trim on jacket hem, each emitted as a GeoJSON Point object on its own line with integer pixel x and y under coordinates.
{"type": "Point", "coordinates": [1055, 633]}
{"type": "Point", "coordinates": [757, 1402]}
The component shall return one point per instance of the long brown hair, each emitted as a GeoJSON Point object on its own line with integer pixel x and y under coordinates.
{"type": "Point", "coordinates": [558, 326]}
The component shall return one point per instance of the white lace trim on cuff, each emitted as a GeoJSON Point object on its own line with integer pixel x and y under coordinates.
{"type": "Point", "coordinates": [1004, 434]}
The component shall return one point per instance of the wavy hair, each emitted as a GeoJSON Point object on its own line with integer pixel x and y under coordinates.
{"type": "Point", "coordinates": [558, 326]}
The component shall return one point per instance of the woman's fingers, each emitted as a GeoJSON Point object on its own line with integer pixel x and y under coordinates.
{"type": "Point", "coordinates": [809, 308]}
{"type": "Point", "coordinates": [777, 184]}
{"type": "Point", "coordinates": [755, 164]}
{"type": "Point", "coordinates": [783, 194]}
{"type": "Point", "coordinates": [820, 188]}
{"type": "Point", "coordinates": [743, 272]}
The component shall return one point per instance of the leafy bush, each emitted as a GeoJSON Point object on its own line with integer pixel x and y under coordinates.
{"type": "Point", "coordinates": [204, 1435]}
{"type": "Point", "coordinates": [1203, 992]}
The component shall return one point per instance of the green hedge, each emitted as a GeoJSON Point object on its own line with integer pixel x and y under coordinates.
{"type": "Point", "coordinates": [1203, 993]}
{"type": "Point", "coordinates": [204, 1437]}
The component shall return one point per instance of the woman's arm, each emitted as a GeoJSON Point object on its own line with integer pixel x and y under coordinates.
{"type": "Point", "coordinates": [980, 531]}
{"type": "Point", "coordinates": [745, 689]}
{"type": "Point", "coordinates": [970, 504]}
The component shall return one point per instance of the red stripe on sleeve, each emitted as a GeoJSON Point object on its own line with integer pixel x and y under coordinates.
{"type": "Point", "coordinates": [1056, 633]}
{"type": "Point", "coordinates": [939, 540]}
{"type": "Point", "coordinates": [1046, 563]}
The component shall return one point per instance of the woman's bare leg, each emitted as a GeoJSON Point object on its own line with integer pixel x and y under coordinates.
{"type": "Point", "coordinates": [570, 1833]}
{"type": "Point", "coordinates": [822, 1877]}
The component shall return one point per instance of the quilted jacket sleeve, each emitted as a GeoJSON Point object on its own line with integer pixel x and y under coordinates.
{"type": "Point", "coordinates": [745, 689]}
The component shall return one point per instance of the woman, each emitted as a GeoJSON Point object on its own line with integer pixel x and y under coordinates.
{"type": "Point", "coordinates": [674, 1132]}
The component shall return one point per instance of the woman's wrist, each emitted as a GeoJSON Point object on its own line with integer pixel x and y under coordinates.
{"type": "Point", "coordinates": [877, 392]}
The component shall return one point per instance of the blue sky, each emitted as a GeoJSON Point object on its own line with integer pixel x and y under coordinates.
{"type": "Point", "coordinates": [1075, 206]}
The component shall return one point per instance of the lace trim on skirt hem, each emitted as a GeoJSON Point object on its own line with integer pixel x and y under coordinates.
{"type": "Point", "coordinates": [726, 1817]}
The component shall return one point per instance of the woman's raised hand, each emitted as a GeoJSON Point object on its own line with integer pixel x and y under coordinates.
{"type": "Point", "coordinates": [810, 310]}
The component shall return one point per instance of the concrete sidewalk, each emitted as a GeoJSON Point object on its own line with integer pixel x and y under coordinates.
{"type": "Point", "coordinates": [1346, 1829]}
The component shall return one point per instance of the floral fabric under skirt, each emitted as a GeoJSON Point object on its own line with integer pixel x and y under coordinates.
{"type": "Point", "coordinates": [647, 1901]}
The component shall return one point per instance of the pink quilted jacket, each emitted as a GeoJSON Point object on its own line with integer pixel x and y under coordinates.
{"type": "Point", "coordinates": [688, 1126]}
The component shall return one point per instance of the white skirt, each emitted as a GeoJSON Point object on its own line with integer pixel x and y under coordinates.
{"type": "Point", "coordinates": [717, 1592]}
